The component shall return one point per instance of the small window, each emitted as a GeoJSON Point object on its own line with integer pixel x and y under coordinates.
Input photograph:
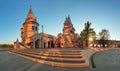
{"type": "Point", "coordinates": [36, 28]}
{"type": "Point", "coordinates": [32, 27]}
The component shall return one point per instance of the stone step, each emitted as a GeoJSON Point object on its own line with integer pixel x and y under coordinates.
{"type": "Point", "coordinates": [35, 51]}
{"type": "Point", "coordinates": [64, 50]}
{"type": "Point", "coordinates": [47, 52]}
{"type": "Point", "coordinates": [32, 52]}
{"type": "Point", "coordinates": [52, 50]}
{"type": "Point", "coordinates": [65, 53]}
{"type": "Point", "coordinates": [57, 59]}
{"type": "Point", "coordinates": [64, 56]}
{"type": "Point", "coordinates": [55, 55]}
{"type": "Point", "coordinates": [57, 64]}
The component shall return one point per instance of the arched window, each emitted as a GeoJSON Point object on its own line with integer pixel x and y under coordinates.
{"type": "Point", "coordinates": [36, 28]}
{"type": "Point", "coordinates": [32, 27]}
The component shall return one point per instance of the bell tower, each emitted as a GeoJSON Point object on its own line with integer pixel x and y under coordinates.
{"type": "Point", "coordinates": [30, 27]}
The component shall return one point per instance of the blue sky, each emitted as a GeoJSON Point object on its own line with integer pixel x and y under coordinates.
{"type": "Point", "coordinates": [52, 13]}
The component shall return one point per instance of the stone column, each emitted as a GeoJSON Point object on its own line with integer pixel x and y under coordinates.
{"type": "Point", "coordinates": [42, 42]}
{"type": "Point", "coordinates": [39, 43]}
{"type": "Point", "coordinates": [33, 43]}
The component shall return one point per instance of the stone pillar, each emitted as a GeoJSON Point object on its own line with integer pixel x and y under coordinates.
{"type": "Point", "coordinates": [42, 42]}
{"type": "Point", "coordinates": [39, 43]}
{"type": "Point", "coordinates": [33, 43]}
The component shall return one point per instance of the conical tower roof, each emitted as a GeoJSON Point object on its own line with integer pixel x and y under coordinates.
{"type": "Point", "coordinates": [30, 17]}
{"type": "Point", "coordinates": [30, 13]}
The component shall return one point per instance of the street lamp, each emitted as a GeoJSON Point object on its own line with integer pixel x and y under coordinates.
{"type": "Point", "coordinates": [42, 38]}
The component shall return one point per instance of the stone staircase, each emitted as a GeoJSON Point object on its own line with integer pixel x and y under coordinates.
{"type": "Point", "coordinates": [54, 57]}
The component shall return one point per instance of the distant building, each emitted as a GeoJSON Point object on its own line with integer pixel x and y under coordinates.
{"type": "Point", "coordinates": [31, 38]}
{"type": "Point", "coordinates": [110, 43]}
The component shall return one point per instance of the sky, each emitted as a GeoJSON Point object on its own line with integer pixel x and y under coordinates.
{"type": "Point", "coordinates": [103, 14]}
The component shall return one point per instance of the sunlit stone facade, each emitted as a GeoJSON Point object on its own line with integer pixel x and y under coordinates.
{"type": "Point", "coordinates": [68, 38]}
{"type": "Point", "coordinates": [30, 28]}
{"type": "Point", "coordinates": [32, 39]}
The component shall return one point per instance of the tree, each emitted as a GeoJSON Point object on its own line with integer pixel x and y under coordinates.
{"type": "Point", "coordinates": [104, 36]}
{"type": "Point", "coordinates": [87, 33]}
{"type": "Point", "coordinates": [6, 46]}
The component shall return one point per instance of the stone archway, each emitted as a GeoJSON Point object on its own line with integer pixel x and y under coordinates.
{"type": "Point", "coordinates": [44, 45]}
{"type": "Point", "coordinates": [52, 44]}
{"type": "Point", "coordinates": [32, 45]}
{"type": "Point", "coordinates": [37, 43]}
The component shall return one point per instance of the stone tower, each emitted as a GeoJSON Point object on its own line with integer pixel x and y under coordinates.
{"type": "Point", "coordinates": [30, 27]}
{"type": "Point", "coordinates": [66, 39]}
{"type": "Point", "coordinates": [68, 27]}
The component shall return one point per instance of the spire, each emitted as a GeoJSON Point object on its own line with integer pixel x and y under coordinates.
{"type": "Point", "coordinates": [30, 13]}
{"type": "Point", "coordinates": [31, 17]}
{"type": "Point", "coordinates": [69, 17]}
{"type": "Point", "coordinates": [68, 24]}
{"type": "Point", "coordinates": [68, 21]}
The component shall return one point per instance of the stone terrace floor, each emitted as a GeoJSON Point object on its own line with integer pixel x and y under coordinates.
{"type": "Point", "coordinates": [104, 60]}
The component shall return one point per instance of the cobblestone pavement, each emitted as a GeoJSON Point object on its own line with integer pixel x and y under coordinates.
{"type": "Point", "coordinates": [104, 61]}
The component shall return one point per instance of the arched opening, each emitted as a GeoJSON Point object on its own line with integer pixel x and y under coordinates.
{"type": "Point", "coordinates": [37, 43]}
{"type": "Point", "coordinates": [44, 45]}
{"type": "Point", "coordinates": [31, 44]}
{"type": "Point", "coordinates": [52, 44]}
{"type": "Point", "coordinates": [58, 45]}
{"type": "Point", "coordinates": [49, 44]}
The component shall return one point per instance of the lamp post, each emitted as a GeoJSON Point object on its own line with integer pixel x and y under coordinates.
{"type": "Point", "coordinates": [42, 38]}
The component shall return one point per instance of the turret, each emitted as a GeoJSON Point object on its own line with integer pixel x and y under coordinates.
{"type": "Point", "coordinates": [30, 27]}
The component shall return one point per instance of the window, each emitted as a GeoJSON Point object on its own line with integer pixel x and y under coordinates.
{"type": "Point", "coordinates": [36, 28]}
{"type": "Point", "coordinates": [32, 27]}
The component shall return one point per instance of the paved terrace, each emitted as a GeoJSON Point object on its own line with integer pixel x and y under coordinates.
{"type": "Point", "coordinates": [67, 57]}
{"type": "Point", "coordinates": [21, 64]}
